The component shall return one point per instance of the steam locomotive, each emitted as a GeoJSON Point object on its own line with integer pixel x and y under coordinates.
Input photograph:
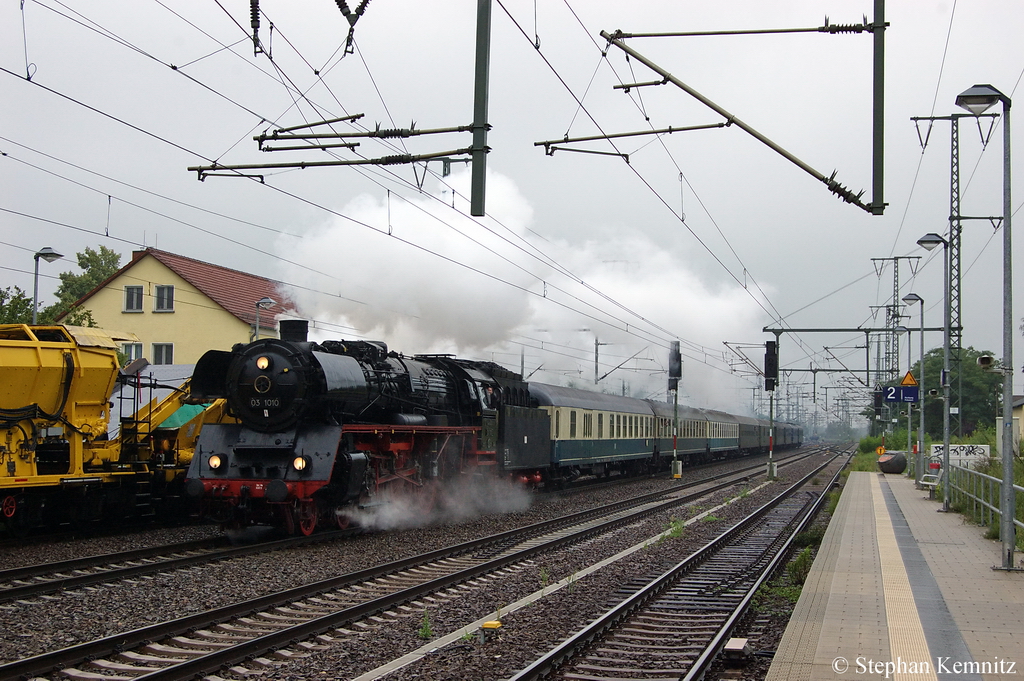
{"type": "Point", "coordinates": [325, 429]}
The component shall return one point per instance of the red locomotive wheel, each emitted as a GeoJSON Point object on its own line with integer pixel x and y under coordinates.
{"type": "Point", "coordinates": [307, 516]}
{"type": "Point", "coordinates": [343, 520]}
{"type": "Point", "coordinates": [9, 507]}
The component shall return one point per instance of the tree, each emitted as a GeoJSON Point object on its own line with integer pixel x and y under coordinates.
{"type": "Point", "coordinates": [981, 397]}
{"type": "Point", "coordinates": [15, 306]}
{"type": "Point", "coordinates": [96, 267]}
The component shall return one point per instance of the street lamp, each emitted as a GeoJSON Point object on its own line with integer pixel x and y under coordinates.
{"type": "Point", "coordinates": [928, 242]}
{"type": "Point", "coordinates": [262, 304]}
{"type": "Point", "coordinates": [49, 255]}
{"type": "Point", "coordinates": [910, 299]}
{"type": "Point", "coordinates": [979, 99]}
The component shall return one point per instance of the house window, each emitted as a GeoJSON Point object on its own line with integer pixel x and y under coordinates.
{"type": "Point", "coordinates": [163, 353]}
{"type": "Point", "coordinates": [164, 299]}
{"type": "Point", "coordinates": [132, 351]}
{"type": "Point", "coordinates": [133, 299]}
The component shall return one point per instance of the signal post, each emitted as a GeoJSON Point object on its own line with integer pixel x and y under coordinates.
{"type": "Point", "coordinates": [771, 378]}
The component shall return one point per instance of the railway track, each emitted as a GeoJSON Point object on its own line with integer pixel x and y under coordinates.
{"type": "Point", "coordinates": [36, 580]}
{"type": "Point", "coordinates": [209, 641]}
{"type": "Point", "coordinates": [64, 576]}
{"type": "Point", "coordinates": [675, 626]}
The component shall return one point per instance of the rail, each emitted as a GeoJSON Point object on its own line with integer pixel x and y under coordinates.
{"type": "Point", "coordinates": [549, 662]}
{"type": "Point", "coordinates": [50, 662]}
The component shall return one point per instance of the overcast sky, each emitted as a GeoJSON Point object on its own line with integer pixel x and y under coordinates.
{"type": "Point", "coordinates": [704, 236]}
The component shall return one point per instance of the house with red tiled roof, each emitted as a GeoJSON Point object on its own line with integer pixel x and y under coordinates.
{"type": "Point", "coordinates": [180, 307]}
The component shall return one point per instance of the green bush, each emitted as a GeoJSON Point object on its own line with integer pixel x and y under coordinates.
{"type": "Point", "coordinates": [800, 567]}
{"type": "Point", "coordinates": [869, 444]}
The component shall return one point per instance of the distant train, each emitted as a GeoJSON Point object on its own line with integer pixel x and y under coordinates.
{"type": "Point", "coordinates": [82, 440]}
{"type": "Point", "coordinates": [327, 428]}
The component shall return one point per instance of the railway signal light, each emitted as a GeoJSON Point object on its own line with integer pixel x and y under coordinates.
{"type": "Point", "coordinates": [771, 365]}
{"type": "Point", "coordinates": [675, 366]}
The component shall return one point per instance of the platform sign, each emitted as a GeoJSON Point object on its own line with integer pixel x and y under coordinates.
{"type": "Point", "coordinates": [901, 393]}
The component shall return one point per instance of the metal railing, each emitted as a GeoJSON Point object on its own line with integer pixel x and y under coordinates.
{"type": "Point", "coordinates": [977, 494]}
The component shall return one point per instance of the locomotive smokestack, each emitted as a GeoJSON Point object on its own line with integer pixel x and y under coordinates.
{"type": "Point", "coordinates": [294, 330]}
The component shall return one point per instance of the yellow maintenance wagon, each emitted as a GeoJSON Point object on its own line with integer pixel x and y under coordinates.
{"type": "Point", "coordinates": [82, 440]}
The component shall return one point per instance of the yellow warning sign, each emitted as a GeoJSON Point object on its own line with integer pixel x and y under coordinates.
{"type": "Point", "coordinates": [880, 450]}
{"type": "Point", "coordinates": [909, 379]}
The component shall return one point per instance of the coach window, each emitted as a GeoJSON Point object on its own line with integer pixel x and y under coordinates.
{"type": "Point", "coordinates": [164, 299]}
{"type": "Point", "coordinates": [600, 426]}
{"type": "Point", "coordinates": [572, 424]}
{"type": "Point", "coordinates": [133, 299]}
{"type": "Point", "coordinates": [558, 424]}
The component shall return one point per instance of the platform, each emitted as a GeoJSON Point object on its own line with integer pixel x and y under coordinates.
{"type": "Point", "coordinates": [899, 590]}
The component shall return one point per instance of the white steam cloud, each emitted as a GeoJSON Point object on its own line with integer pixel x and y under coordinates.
{"type": "Point", "coordinates": [448, 293]}
{"type": "Point", "coordinates": [455, 502]}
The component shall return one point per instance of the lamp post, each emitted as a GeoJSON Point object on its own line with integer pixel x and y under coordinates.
{"type": "Point", "coordinates": [979, 99]}
{"type": "Point", "coordinates": [928, 242]}
{"type": "Point", "coordinates": [910, 299]}
{"type": "Point", "coordinates": [261, 304]}
{"type": "Point", "coordinates": [910, 405]}
{"type": "Point", "coordinates": [49, 255]}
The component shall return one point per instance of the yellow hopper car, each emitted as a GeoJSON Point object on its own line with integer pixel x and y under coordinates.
{"type": "Point", "coordinates": [82, 440]}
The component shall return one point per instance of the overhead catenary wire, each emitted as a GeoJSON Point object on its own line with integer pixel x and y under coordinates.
{"type": "Point", "coordinates": [296, 89]}
{"type": "Point", "coordinates": [775, 314]}
{"type": "Point", "coordinates": [403, 198]}
{"type": "Point", "coordinates": [379, 94]}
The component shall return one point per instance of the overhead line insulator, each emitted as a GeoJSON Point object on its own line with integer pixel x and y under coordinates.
{"type": "Point", "coordinates": [254, 17]}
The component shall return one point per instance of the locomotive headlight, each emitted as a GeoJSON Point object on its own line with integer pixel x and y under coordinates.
{"type": "Point", "coordinates": [300, 463]}
{"type": "Point", "coordinates": [215, 462]}
{"type": "Point", "coordinates": [263, 363]}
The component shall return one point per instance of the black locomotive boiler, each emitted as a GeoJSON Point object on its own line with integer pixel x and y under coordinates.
{"type": "Point", "coordinates": [325, 429]}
